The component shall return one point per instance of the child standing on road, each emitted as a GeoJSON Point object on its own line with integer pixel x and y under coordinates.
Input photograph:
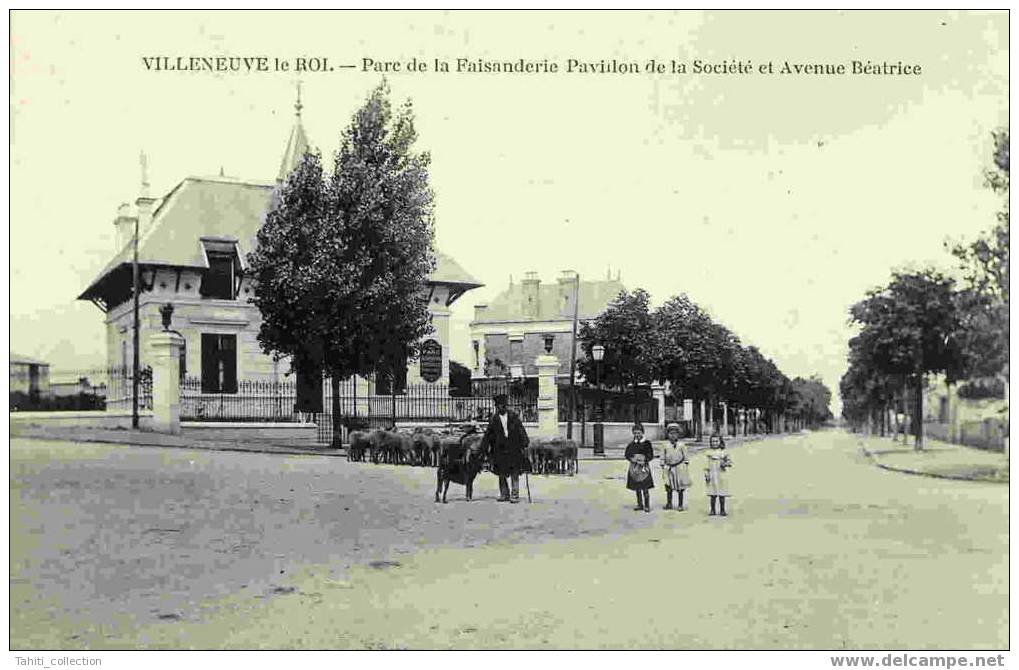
{"type": "Point", "coordinates": [675, 467]}
{"type": "Point", "coordinates": [716, 478]}
{"type": "Point", "coordinates": [638, 475]}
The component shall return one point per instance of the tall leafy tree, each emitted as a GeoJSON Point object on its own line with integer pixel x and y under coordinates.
{"type": "Point", "coordinates": [909, 328]}
{"type": "Point", "coordinates": [292, 277]}
{"type": "Point", "coordinates": [697, 356]}
{"type": "Point", "coordinates": [342, 261]}
{"type": "Point", "coordinates": [986, 259]}
{"type": "Point", "coordinates": [812, 401]}
{"type": "Point", "coordinates": [625, 329]}
{"type": "Point", "coordinates": [382, 213]}
{"type": "Point", "coordinates": [984, 300]}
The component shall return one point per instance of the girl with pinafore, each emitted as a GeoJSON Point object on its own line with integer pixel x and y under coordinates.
{"type": "Point", "coordinates": [638, 475]}
{"type": "Point", "coordinates": [675, 467]}
{"type": "Point", "coordinates": [716, 477]}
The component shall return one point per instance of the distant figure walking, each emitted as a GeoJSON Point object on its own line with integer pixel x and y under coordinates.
{"type": "Point", "coordinates": [638, 475]}
{"type": "Point", "coordinates": [716, 477]}
{"type": "Point", "coordinates": [505, 439]}
{"type": "Point", "coordinates": [675, 467]}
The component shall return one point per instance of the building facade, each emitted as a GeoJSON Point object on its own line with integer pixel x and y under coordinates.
{"type": "Point", "coordinates": [29, 376]}
{"type": "Point", "coordinates": [192, 247]}
{"type": "Point", "coordinates": [509, 333]}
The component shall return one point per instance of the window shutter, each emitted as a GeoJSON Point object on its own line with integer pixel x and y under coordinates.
{"type": "Point", "coordinates": [210, 360]}
{"type": "Point", "coordinates": [228, 354]}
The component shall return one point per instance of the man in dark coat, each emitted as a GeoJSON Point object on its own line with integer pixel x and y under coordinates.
{"type": "Point", "coordinates": [505, 439]}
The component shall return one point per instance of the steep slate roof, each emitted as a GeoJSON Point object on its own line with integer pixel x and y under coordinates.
{"type": "Point", "coordinates": [198, 207]}
{"type": "Point", "coordinates": [509, 306]}
{"type": "Point", "coordinates": [223, 208]}
{"type": "Point", "coordinates": [448, 271]}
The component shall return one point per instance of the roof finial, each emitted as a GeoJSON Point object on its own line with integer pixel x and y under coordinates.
{"type": "Point", "coordinates": [298, 106]}
{"type": "Point", "coordinates": [143, 161]}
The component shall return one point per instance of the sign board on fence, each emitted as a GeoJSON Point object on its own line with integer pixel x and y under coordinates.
{"type": "Point", "coordinates": [431, 360]}
{"type": "Point", "coordinates": [687, 410]}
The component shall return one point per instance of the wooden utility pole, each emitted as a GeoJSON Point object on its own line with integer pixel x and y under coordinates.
{"type": "Point", "coordinates": [136, 366]}
{"type": "Point", "coordinates": [573, 360]}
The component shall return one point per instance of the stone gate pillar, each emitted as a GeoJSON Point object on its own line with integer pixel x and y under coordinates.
{"type": "Point", "coordinates": [165, 359]}
{"type": "Point", "coordinates": [548, 396]}
{"type": "Point", "coordinates": [658, 393]}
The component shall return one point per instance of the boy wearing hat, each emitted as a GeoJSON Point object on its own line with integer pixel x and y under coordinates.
{"type": "Point", "coordinates": [675, 467]}
{"type": "Point", "coordinates": [505, 439]}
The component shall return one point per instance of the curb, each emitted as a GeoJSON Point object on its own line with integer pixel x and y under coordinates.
{"type": "Point", "coordinates": [920, 473]}
{"type": "Point", "coordinates": [196, 446]}
{"type": "Point", "coordinates": [213, 445]}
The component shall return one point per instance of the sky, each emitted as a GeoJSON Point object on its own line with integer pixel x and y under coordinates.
{"type": "Point", "coordinates": [773, 201]}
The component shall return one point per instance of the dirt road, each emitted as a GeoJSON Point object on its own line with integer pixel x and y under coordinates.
{"type": "Point", "coordinates": [130, 547]}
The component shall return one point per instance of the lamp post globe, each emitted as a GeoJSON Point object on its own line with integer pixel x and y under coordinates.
{"type": "Point", "coordinates": [598, 353]}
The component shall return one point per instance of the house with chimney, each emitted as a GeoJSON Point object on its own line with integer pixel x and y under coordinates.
{"type": "Point", "coordinates": [509, 333]}
{"type": "Point", "coordinates": [192, 245]}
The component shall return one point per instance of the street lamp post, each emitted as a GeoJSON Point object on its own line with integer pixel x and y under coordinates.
{"type": "Point", "coordinates": [598, 353]}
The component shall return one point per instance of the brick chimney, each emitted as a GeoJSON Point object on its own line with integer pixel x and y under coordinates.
{"type": "Point", "coordinates": [567, 292]}
{"type": "Point", "coordinates": [531, 282]}
{"type": "Point", "coordinates": [124, 224]}
{"type": "Point", "coordinates": [480, 312]}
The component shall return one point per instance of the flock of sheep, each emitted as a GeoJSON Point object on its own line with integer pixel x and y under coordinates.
{"type": "Point", "coordinates": [424, 446]}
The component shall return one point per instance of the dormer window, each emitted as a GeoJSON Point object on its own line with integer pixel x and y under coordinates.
{"type": "Point", "coordinates": [223, 278]}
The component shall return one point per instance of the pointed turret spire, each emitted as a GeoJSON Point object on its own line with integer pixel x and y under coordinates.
{"type": "Point", "coordinates": [297, 145]}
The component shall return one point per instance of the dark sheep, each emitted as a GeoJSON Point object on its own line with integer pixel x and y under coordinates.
{"type": "Point", "coordinates": [460, 461]}
{"type": "Point", "coordinates": [359, 445]}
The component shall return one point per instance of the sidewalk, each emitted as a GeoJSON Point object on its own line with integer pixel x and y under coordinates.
{"type": "Point", "coordinates": [938, 459]}
{"type": "Point", "coordinates": [150, 439]}
{"type": "Point", "coordinates": [191, 441]}
{"type": "Point", "coordinates": [615, 452]}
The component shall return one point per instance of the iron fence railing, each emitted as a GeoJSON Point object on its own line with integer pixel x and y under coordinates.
{"type": "Point", "coordinates": [256, 400]}
{"type": "Point", "coordinates": [354, 407]}
{"type": "Point", "coordinates": [612, 406]}
{"type": "Point", "coordinates": [97, 388]}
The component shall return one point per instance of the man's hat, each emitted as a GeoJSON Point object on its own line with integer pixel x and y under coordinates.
{"type": "Point", "coordinates": [501, 399]}
{"type": "Point", "coordinates": [637, 426]}
{"type": "Point", "coordinates": [673, 427]}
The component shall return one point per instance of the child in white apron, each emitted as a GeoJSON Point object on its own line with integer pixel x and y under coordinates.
{"type": "Point", "coordinates": [716, 478]}
{"type": "Point", "coordinates": [638, 475]}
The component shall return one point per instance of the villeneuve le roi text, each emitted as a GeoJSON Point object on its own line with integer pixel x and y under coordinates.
{"type": "Point", "coordinates": [256, 64]}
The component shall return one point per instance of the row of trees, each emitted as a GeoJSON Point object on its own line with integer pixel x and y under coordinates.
{"type": "Point", "coordinates": [680, 344]}
{"type": "Point", "coordinates": [343, 257]}
{"type": "Point", "coordinates": [926, 322]}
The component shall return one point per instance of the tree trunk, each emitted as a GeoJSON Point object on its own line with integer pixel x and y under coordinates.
{"type": "Point", "coordinates": [334, 383]}
{"type": "Point", "coordinates": [919, 412]}
{"type": "Point", "coordinates": [1004, 379]}
{"type": "Point", "coordinates": [953, 412]}
{"type": "Point", "coordinates": [392, 398]}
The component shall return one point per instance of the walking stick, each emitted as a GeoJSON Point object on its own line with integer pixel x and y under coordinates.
{"type": "Point", "coordinates": [527, 483]}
